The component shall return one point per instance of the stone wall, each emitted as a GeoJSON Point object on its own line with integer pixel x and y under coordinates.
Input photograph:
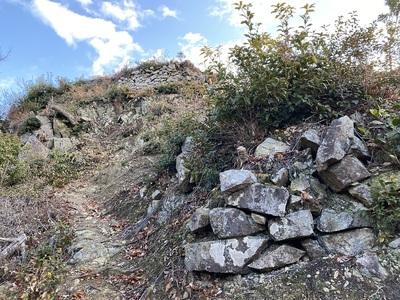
{"type": "Point", "coordinates": [161, 73]}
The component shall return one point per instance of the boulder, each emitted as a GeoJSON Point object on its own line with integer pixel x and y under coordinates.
{"type": "Point", "coordinates": [351, 242]}
{"type": "Point", "coordinates": [224, 256]}
{"type": "Point", "coordinates": [259, 219]}
{"type": "Point", "coordinates": [300, 185]}
{"type": "Point", "coordinates": [292, 226]}
{"type": "Point", "coordinates": [270, 147]}
{"type": "Point", "coordinates": [276, 258]}
{"type": "Point", "coordinates": [333, 221]}
{"type": "Point", "coordinates": [369, 265]}
{"type": "Point", "coordinates": [199, 220]}
{"type": "Point", "coordinates": [359, 149]}
{"type": "Point", "coordinates": [336, 143]}
{"type": "Point", "coordinates": [234, 180]}
{"type": "Point", "coordinates": [62, 144]}
{"type": "Point", "coordinates": [232, 222]}
{"type": "Point", "coordinates": [262, 199]}
{"type": "Point", "coordinates": [281, 177]}
{"type": "Point", "coordinates": [33, 149]}
{"type": "Point", "coordinates": [362, 192]}
{"type": "Point", "coordinates": [310, 139]}
{"type": "Point", "coordinates": [313, 248]}
{"type": "Point", "coordinates": [395, 244]}
{"type": "Point", "coordinates": [344, 173]}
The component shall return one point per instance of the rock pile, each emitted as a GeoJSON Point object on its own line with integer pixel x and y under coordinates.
{"type": "Point", "coordinates": [268, 225]}
{"type": "Point", "coordinates": [173, 71]}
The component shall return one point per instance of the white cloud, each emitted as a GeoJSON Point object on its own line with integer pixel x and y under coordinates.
{"type": "Point", "coordinates": [191, 47]}
{"type": "Point", "coordinates": [113, 47]}
{"type": "Point", "coordinates": [124, 13]}
{"type": "Point", "coordinates": [84, 2]}
{"type": "Point", "coordinates": [326, 12]}
{"type": "Point", "coordinates": [167, 12]}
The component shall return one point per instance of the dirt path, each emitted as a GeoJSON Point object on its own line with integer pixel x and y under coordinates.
{"type": "Point", "coordinates": [93, 249]}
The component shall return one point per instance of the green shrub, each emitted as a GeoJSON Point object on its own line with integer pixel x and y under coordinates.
{"type": "Point", "coordinates": [118, 93]}
{"type": "Point", "coordinates": [169, 88]}
{"type": "Point", "coordinates": [387, 206]}
{"type": "Point", "coordinates": [299, 74]}
{"type": "Point", "coordinates": [59, 169]}
{"type": "Point", "coordinates": [11, 169]}
{"type": "Point", "coordinates": [31, 124]}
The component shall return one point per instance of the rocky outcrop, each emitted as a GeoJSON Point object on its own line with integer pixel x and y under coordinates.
{"type": "Point", "coordinates": [301, 215]}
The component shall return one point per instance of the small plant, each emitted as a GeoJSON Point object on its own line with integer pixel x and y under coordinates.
{"type": "Point", "coordinates": [387, 207]}
{"type": "Point", "coordinates": [169, 88]}
{"type": "Point", "coordinates": [11, 169]}
{"type": "Point", "coordinates": [31, 124]}
{"type": "Point", "coordinates": [388, 137]}
{"type": "Point", "coordinates": [118, 93]}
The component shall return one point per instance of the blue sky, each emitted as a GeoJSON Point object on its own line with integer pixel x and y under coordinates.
{"type": "Point", "coordinates": [82, 38]}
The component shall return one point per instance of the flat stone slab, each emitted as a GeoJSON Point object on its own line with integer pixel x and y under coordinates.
{"type": "Point", "coordinates": [234, 180]}
{"type": "Point", "coordinates": [273, 259]}
{"type": "Point", "coordinates": [261, 199]}
{"type": "Point", "coordinates": [313, 248]}
{"type": "Point", "coordinates": [350, 242]}
{"type": "Point", "coordinates": [232, 222]}
{"type": "Point", "coordinates": [270, 146]}
{"type": "Point", "coordinates": [224, 256]}
{"type": "Point", "coordinates": [296, 225]}
{"type": "Point", "coordinates": [333, 221]}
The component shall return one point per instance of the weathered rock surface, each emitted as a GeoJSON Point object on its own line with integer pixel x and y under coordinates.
{"type": "Point", "coordinates": [336, 143]}
{"type": "Point", "coordinates": [333, 221]}
{"type": "Point", "coordinates": [350, 242]}
{"type": "Point", "coordinates": [262, 199]}
{"type": "Point", "coordinates": [33, 149]}
{"type": "Point", "coordinates": [182, 167]}
{"type": "Point", "coordinates": [342, 174]}
{"type": "Point", "coordinates": [359, 149]}
{"type": "Point", "coordinates": [63, 144]}
{"type": "Point", "coordinates": [313, 248]}
{"type": "Point", "coordinates": [310, 139]}
{"type": "Point", "coordinates": [277, 258]}
{"type": "Point", "coordinates": [292, 226]}
{"type": "Point", "coordinates": [270, 146]}
{"type": "Point", "coordinates": [369, 265]}
{"type": "Point", "coordinates": [395, 243]}
{"type": "Point", "coordinates": [224, 256]}
{"type": "Point", "coordinates": [232, 222]}
{"type": "Point", "coordinates": [281, 177]}
{"type": "Point", "coordinates": [259, 219]}
{"type": "Point", "coordinates": [234, 180]}
{"type": "Point", "coordinates": [199, 220]}
{"type": "Point", "coordinates": [362, 192]}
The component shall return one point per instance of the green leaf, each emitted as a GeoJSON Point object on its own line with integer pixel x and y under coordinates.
{"type": "Point", "coordinates": [396, 122]}
{"type": "Point", "coordinates": [376, 122]}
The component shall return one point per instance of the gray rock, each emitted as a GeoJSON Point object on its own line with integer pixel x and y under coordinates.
{"type": "Point", "coordinates": [259, 219]}
{"type": "Point", "coordinates": [234, 180]}
{"type": "Point", "coordinates": [299, 185]}
{"type": "Point", "coordinates": [33, 149]}
{"type": "Point", "coordinates": [295, 203]}
{"type": "Point", "coordinates": [336, 143]}
{"type": "Point", "coordinates": [362, 192]}
{"type": "Point", "coordinates": [62, 144]}
{"type": "Point", "coordinates": [274, 258]}
{"type": "Point", "coordinates": [333, 221]}
{"type": "Point", "coordinates": [199, 220]}
{"type": "Point", "coordinates": [184, 173]}
{"type": "Point", "coordinates": [281, 177]}
{"type": "Point", "coordinates": [232, 222]}
{"type": "Point", "coordinates": [262, 199]}
{"type": "Point", "coordinates": [359, 149]}
{"type": "Point", "coordinates": [270, 147]}
{"type": "Point", "coordinates": [43, 120]}
{"type": "Point", "coordinates": [350, 242]}
{"type": "Point", "coordinates": [395, 244]}
{"type": "Point", "coordinates": [369, 265]}
{"type": "Point", "coordinates": [344, 173]}
{"type": "Point", "coordinates": [156, 195]}
{"type": "Point", "coordinates": [292, 226]}
{"type": "Point", "coordinates": [310, 139]}
{"type": "Point", "coordinates": [224, 256]}
{"type": "Point", "coordinates": [61, 130]}
{"type": "Point", "coordinates": [313, 248]}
